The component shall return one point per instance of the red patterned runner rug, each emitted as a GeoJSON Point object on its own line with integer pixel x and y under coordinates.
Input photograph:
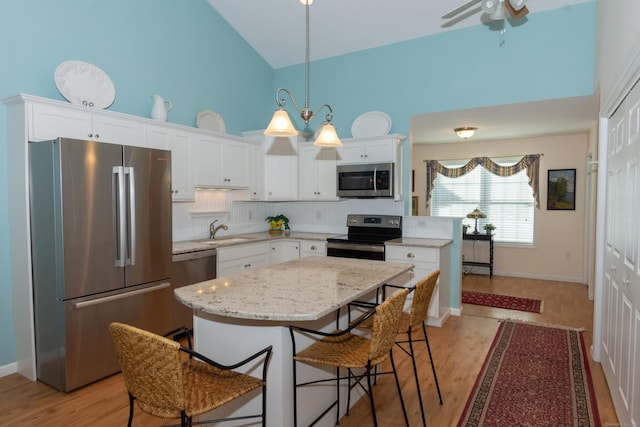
{"type": "Point", "coordinates": [533, 376]}
{"type": "Point", "coordinates": [502, 301]}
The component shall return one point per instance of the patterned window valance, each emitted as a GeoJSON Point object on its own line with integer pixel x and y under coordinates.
{"type": "Point", "coordinates": [530, 162]}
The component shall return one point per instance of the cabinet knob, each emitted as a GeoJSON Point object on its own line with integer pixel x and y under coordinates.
{"type": "Point", "coordinates": [97, 136]}
{"type": "Point", "coordinates": [247, 265]}
{"type": "Point", "coordinates": [313, 248]}
{"type": "Point", "coordinates": [410, 255]}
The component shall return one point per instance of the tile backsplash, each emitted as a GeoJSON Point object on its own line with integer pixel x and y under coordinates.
{"type": "Point", "coordinates": [191, 220]}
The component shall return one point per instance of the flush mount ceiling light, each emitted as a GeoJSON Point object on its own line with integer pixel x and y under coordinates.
{"type": "Point", "coordinates": [281, 125]}
{"type": "Point", "coordinates": [465, 132]}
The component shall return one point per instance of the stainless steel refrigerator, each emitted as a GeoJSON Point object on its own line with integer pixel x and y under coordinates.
{"type": "Point", "coordinates": [101, 252]}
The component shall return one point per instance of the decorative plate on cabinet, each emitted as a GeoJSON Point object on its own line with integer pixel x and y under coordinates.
{"type": "Point", "coordinates": [210, 120]}
{"type": "Point", "coordinates": [84, 84]}
{"type": "Point", "coordinates": [373, 123]}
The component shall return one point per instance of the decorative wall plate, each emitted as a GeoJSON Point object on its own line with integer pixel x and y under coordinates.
{"type": "Point", "coordinates": [84, 84]}
{"type": "Point", "coordinates": [210, 120]}
{"type": "Point", "coordinates": [373, 123]}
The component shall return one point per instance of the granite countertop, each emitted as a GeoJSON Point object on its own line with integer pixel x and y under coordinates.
{"type": "Point", "coordinates": [419, 242]}
{"type": "Point", "coordinates": [303, 289]}
{"type": "Point", "coordinates": [238, 239]}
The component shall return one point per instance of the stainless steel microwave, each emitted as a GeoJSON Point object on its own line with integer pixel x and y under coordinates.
{"type": "Point", "coordinates": [365, 180]}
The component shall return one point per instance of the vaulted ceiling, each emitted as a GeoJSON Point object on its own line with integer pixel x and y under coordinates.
{"type": "Point", "coordinates": [276, 30]}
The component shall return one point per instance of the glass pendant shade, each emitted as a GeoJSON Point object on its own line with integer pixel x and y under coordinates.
{"type": "Point", "coordinates": [328, 137]}
{"type": "Point", "coordinates": [280, 125]}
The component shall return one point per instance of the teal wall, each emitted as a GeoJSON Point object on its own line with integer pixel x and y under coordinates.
{"type": "Point", "coordinates": [550, 56]}
{"type": "Point", "coordinates": [184, 51]}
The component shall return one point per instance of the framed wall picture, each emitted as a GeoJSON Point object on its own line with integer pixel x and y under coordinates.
{"type": "Point", "coordinates": [561, 189]}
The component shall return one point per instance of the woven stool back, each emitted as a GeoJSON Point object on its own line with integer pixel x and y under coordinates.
{"type": "Point", "coordinates": [385, 326]}
{"type": "Point", "coordinates": [422, 299]}
{"type": "Point", "coordinates": [151, 367]}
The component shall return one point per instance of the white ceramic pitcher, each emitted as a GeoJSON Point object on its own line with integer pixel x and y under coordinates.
{"type": "Point", "coordinates": [160, 108]}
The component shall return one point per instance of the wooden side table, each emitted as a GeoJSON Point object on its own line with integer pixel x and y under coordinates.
{"type": "Point", "coordinates": [481, 238]}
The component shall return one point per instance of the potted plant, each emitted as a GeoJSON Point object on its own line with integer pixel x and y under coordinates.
{"type": "Point", "coordinates": [489, 228]}
{"type": "Point", "coordinates": [465, 227]}
{"type": "Point", "coordinates": [278, 223]}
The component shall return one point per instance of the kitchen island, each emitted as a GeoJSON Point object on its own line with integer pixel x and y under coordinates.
{"type": "Point", "coordinates": [235, 316]}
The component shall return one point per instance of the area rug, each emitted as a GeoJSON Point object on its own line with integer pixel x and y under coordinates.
{"type": "Point", "coordinates": [533, 376]}
{"type": "Point", "coordinates": [502, 301]}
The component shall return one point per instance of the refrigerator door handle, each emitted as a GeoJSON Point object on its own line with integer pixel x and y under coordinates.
{"type": "Point", "coordinates": [131, 252]}
{"type": "Point", "coordinates": [120, 216]}
{"type": "Point", "coordinates": [83, 304]}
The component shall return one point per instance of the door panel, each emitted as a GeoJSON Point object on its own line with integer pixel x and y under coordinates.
{"type": "Point", "coordinates": [88, 217]}
{"type": "Point", "coordinates": [150, 240]}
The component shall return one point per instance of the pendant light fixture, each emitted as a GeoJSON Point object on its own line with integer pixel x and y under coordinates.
{"type": "Point", "coordinates": [281, 124]}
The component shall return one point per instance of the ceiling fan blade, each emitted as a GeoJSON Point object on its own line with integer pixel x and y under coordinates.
{"type": "Point", "coordinates": [460, 8]}
{"type": "Point", "coordinates": [516, 14]}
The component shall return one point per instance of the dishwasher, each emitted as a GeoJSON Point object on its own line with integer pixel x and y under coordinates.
{"type": "Point", "coordinates": [187, 269]}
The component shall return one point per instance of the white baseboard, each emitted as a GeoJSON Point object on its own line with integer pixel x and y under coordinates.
{"type": "Point", "coordinates": [579, 280]}
{"type": "Point", "coordinates": [9, 369]}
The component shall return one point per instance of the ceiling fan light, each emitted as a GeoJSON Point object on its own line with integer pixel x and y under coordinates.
{"type": "Point", "coordinates": [517, 4]}
{"type": "Point", "coordinates": [490, 6]}
{"type": "Point", "coordinates": [280, 125]}
{"type": "Point", "coordinates": [328, 136]}
{"type": "Point", "coordinates": [465, 132]}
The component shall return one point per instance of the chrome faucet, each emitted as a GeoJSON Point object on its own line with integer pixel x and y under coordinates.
{"type": "Point", "coordinates": [213, 230]}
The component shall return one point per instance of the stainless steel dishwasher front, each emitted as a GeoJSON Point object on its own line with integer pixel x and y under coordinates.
{"type": "Point", "coordinates": [187, 269]}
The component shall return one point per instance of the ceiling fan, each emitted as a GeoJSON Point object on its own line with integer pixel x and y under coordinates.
{"type": "Point", "coordinates": [494, 9]}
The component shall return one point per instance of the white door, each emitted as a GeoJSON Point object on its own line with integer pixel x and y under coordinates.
{"type": "Point", "coordinates": [621, 285]}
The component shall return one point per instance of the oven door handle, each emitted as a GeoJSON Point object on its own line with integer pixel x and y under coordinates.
{"type": "Point", "coordinates": [355, 247]}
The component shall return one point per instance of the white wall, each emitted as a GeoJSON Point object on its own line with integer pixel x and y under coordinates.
{"type": "Point", "coordinates": [617, 42]}
{"type": "Point", "coordinates": [559, 237]}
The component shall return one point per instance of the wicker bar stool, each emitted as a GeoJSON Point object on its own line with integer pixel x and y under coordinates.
{"type": "Point", "coordinates": [342, 349]}
{"type": "Point", "coordinates": [167, 384]}
{"type": "Point", "coordinates": [412, 321]}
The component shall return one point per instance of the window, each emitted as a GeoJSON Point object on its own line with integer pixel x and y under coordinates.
{"type": "Point", "coordinates": [508, 202]}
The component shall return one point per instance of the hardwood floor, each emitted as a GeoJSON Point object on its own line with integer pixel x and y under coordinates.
{"type": "Point", "coordinates": [459, 349]}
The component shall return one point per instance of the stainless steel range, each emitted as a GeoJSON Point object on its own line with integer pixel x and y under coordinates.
{"type": "Point", "coordinates": [365, 236]}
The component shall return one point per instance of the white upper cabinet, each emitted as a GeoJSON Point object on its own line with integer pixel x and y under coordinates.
{"type": "Point", "coordinates": [281, 168]}
{"type": "Point", "coordinates": [221, 162]}
{"type": "Point", "coordinates": [377, 149]}
{"type": "Point", "coordinates": [49, 121]}
{"type": "Point", "coordinates": [317, 172]}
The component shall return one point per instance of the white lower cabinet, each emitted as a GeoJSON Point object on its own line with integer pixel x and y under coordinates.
{"type": "Point", "coordinates": [312, 248]}
{"type": "Point", "coordinates": [240, 258]}
{"type": "Point", "coordinates": [426, 261]}
{"type": "Point", "coordinates": [283, 251]}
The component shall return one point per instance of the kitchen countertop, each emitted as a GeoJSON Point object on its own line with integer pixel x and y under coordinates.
{"type": "Point", "coordinates": [302, 289]}
{"type": "Point", "coordinates": [419, 242]}
{"type": "Point", "coordinates": [238, 239]}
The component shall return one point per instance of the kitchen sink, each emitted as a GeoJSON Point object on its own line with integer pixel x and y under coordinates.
{"type": "Point", "coordinates": [227, 241]}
